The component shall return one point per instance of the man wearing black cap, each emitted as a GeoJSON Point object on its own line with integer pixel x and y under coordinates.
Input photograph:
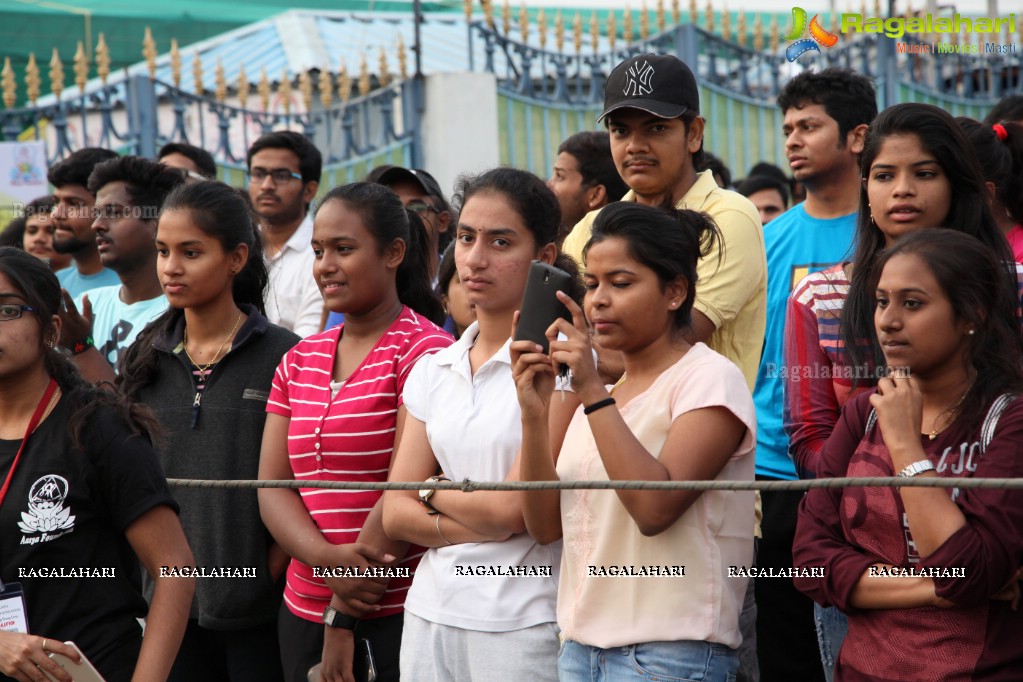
{"type": "Point", "coordinates": [651, 108]}
{"type": "Point", "coordinates": [421, 193]}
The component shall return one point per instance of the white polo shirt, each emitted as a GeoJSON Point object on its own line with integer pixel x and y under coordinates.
{"type": "Point", "coordinates": [475, 429]}
{"type": "Point", "coordinates": [293, 298]}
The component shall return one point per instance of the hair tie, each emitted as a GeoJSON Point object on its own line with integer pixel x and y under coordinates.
{"type": "Point", "coordinates": [1000, 131]}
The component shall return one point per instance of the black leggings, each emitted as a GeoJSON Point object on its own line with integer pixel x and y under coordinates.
{"type": "Point", "coordinates": [245, 655]}
{"type": "Point", "coordinates": [787, 647]}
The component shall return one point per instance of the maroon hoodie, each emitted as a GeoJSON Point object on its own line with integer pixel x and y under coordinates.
{"type": "Point", "coordinates": [846, 530]}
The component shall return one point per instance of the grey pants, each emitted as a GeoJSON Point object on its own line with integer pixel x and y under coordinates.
{"type": "Point", "coordinates": [441, 653]}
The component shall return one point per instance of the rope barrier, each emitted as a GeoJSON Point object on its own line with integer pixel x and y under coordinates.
{"type": "Point", "coordinates": [469, 486]}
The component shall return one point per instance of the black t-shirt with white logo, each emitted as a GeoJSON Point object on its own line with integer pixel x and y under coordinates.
{"type": "Point", "coordinates": [62, 529]}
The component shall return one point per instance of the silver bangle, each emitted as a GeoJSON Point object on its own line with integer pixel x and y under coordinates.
{"type": "Point", "coordinates": [440, 532]}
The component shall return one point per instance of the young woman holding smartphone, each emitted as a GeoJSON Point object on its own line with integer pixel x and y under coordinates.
{"type": "Point", "coordinates": [680, 412]}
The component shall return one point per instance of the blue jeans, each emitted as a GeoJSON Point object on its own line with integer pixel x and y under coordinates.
{"type": "Point", "coordinates": [831, 628]}
{"type": "Point", "coordinates": [684, 661]}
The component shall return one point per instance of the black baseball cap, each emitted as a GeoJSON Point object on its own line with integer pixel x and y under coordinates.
{"type": "Point", "coordinates": [659, 84]}
{"type": "Point", "coordinates": [417, 176]}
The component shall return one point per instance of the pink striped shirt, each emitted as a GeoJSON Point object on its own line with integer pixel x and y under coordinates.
{"type": "Point", "coordinates": [349, 437]}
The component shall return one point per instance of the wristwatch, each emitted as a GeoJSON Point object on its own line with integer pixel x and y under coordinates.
{"type": "Point", "coordinates": [426, 494]}
{"type": "Point", "coordinates": [333, 618]}
{"type": "Point", "coordinates": [916, 468]}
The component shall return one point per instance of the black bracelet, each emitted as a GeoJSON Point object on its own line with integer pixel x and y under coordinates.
{"type": "Point", "coordinates": [79, 347]}
{"type": "Point", "coordinates": [590, 409]}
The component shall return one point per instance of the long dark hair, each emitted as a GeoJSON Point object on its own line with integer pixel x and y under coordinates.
{"type": "Point", "coordinates": [387, 219]}
{"type": "Point", "coordinates": [226, 214]}
{"type": "Point", "coordinates": [1003, 161]}
{"type": "Point", "coordinates": [34, 281]}
{"type": "Point", "coordinates": [968, 213]}
{"type": "Point", "coordinates": [666, 240]}
{"type": "Point", "coordinates": [535, 203]}
{"type": "Point", "coordinates": [974, 280]}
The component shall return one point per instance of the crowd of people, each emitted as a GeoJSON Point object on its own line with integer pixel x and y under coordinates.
{"type": "Point", "coordinates": [862, 317]}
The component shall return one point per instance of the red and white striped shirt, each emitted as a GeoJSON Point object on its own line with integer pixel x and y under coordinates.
{"type": "Point", "coordinates": [349, 437]}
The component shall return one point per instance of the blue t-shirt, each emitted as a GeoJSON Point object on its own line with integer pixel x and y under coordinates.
{"type": "Point", "coordinates": [796, 245]}
{"type": "Point", "coordinates": [77, 284]}
{"type": "Point", "coordinates": [115, 324]}
{"type": "Point", "coordinates": [333, 320]}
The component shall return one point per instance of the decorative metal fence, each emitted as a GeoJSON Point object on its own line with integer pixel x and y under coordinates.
{"type": "Point", "coordinates": [550, 85]}
{"type": "Point", "coordinates": [139, 113]}
{"type": "Point", "coordinates": [547, 93]}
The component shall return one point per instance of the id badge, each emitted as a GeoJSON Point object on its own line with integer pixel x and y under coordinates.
{"type": "Point", "coordinates": [13, 614]}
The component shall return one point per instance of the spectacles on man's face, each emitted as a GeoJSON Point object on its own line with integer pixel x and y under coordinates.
{"type": "Point", "coordinates": [12, 311]}
{"type": "Point", "coordinates": [279, 175]}
{"type": "Point", "coordinates": [420, 207]}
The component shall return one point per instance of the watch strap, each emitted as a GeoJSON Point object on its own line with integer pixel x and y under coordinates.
{"type": "Point", "coordinates": [335, 619]}
{"type": "Point", "coordinates": [425, 495]}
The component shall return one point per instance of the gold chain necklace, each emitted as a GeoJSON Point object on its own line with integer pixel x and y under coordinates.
{"type": "Point", "coordinates": [948, 415]}
{"type": "Point", "coordinates": [204, 369]}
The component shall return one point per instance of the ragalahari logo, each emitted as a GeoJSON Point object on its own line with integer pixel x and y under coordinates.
{"type": "Point", "coordinates": [818, 36]}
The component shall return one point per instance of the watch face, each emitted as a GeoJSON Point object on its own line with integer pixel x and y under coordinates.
{"type": "Point", "coordinates": [424, 495]}
{"type": "Point", "coordinates": [328, 615]}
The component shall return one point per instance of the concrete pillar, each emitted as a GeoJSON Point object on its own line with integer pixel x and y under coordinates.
{"type": "Point", "coordinates": [459, 126]}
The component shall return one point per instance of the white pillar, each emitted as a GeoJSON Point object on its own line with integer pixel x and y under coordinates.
{"type": "Point", "coordinates": [459, 126]}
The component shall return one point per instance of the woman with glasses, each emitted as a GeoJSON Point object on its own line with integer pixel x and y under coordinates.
{"type": "Point", "coordinates": [82, 502]}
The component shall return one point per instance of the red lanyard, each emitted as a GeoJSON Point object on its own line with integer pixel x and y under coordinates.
{"type": "Point", "coordinates": [32, 424]}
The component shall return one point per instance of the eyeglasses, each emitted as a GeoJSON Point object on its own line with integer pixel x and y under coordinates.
{"type": "Point", "coordinates": [420, 207]}
{"type": "Point", "coordinates": [280, 175]}
{"type": "Point", "coordinates": [12, 311]}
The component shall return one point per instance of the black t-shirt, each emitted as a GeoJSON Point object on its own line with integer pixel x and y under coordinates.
{"type": "Point", "coordinates": [62, 529]}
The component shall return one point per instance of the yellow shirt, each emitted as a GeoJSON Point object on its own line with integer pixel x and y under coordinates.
{"type": "Point", "coordinates": [732, 292]}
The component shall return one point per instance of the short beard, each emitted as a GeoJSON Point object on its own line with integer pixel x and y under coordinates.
{"type": "Point", "coordinates": [72, 245]}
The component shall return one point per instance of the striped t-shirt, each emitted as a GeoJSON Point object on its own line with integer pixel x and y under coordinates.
{"type": "Point", "coordinates": [819, 380]}
{"type": "Point", "coordinates": [349, 437]}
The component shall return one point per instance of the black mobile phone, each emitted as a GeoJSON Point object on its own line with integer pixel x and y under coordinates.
{"type": "Point", "coordinates": [540, 306]}
{"type": "Point", "coordinates": [364, 667]}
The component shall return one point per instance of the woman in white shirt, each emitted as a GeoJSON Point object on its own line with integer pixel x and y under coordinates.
{"type": "Point", "coordinates": [645, 592]}
{"type": "Point", "coordinates": [469, 615]}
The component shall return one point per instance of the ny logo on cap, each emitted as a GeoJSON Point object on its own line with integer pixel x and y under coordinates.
{"type": "Point", "coordinates": [640, 77]}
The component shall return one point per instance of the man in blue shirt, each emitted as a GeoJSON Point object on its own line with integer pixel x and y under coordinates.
{"type": "Point", "coordinates": [826, 116]}
{"type": "Point", "coordinates": [101, 324]}
{"type": "Point", "coordinates": [73, 216]}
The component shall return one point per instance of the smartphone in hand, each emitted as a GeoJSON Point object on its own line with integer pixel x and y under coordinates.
{"type": "Point", "coordinates": [540, 306]}
{"type": "Point", "coordinates": [80, 672]}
